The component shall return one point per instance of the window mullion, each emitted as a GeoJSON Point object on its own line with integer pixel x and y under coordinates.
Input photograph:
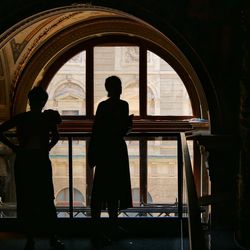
{"type": "Point", "coordinates": [143, 171]}
{"type": "Point", "coordinates": [90, 82]}
{"type": "Point", "coordinates": [143, 81]}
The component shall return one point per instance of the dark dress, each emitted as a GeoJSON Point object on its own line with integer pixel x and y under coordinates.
{"type": "Point", "coordinates": [108, 152]}
{"type": "Point", "coordinates": [33, 170]}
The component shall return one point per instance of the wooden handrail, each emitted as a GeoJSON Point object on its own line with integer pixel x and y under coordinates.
{"type": "Point", "coordinates": [196, 235]}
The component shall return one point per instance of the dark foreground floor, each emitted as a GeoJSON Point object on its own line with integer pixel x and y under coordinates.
{"type": "Point", "coordinates": [17, 242]}
{"type": "Point", "coordinates": [155, 234]}
{"type": "Point", "coordinates": [142, 234]}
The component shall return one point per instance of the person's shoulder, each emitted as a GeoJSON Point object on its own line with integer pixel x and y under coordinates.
{"type": "Point", "coordinates": [124, 103]}
{"type": "Point", "coordinates": [102, 104]}
{"type": "Point", "coordinates": [52, 116]}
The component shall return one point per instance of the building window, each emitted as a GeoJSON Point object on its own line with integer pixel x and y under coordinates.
{"type": "Point", "coordinates": [67, 89]}
{"type": "Point", "coordinates": [62, 201]}
{"type": "Point", "coordinates": [62, 197]}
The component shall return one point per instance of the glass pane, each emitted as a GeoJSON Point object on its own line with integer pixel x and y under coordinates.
{"type": "Point", "coordinates": [59, 160]}
{"type": "Point", "coordinates": [79, 176]}
{"type": "Point", "coordinates": [67, 90]}
{"type": "Point", "coordinates": [134, 163]}
{"type": "Point", "coordinates": [162, 171]}
{"type": "Point", "coordinates": [122, 62]}
{"type": "Point", "coordinates": [166, 93]}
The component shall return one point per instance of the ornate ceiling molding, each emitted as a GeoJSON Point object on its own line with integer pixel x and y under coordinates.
{"type": "Point", "coordinates": [16, 29]}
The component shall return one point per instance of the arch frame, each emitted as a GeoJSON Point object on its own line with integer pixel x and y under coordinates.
{"type": "Point", "coordinates": [125, 25]}
{"type": "Point", "coordinates": [70, 41]}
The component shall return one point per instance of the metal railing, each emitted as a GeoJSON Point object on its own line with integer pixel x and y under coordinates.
{"type": "Point", "coordinates": [142, 137]}
{"type": "Point", "coordinates": [187, 201]}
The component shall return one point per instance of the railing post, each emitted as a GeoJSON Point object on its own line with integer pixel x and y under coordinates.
{"type": "Point", "coordinates": [180, 177]}
{"type": "Point", "coordinates": [143, 171]}
{"type": "Point", "coordinates": [89, 177]}
{"type": "Point", "coordinates": [70, 177]}
{"type": "Point", "coordinates": [196, 235]}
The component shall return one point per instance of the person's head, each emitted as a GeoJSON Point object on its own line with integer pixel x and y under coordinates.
{"type": "Point", "coordinates": [113, 86]}
{"type": "Point", "coordinates": [37, 98]}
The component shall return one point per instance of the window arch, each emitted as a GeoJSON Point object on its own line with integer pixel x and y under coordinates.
{"type": "Point", "coordinates": [62, 197]}
{"type": "Point", "coordinates": [152, 87]}
{"type": "Point", "coordinates": [62, 200]}
{"type": "Point", "coordinates": [149, 40]}
{"type": "Point", "coordinates": [139, 44]}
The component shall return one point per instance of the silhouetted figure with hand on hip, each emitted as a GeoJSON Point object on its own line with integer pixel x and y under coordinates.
{"type": "Point", "coordinates": [108, 154]}
{"type": "Point", "coordinates": [37, 134]}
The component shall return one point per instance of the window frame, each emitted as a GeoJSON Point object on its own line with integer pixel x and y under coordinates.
{"type": "Point", "coordinates": [142, 122]}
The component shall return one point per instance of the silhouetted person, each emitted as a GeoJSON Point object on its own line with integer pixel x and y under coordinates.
{"type": "Point", "coordinates": [108, 152]}
{"type": "Point", "coordinates": [37, 134]}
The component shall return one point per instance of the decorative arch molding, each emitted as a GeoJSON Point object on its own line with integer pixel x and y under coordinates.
{"type": "Point", "coordinates": [79, 36]}
{"type": "Point", "coordinates": [59, 11]}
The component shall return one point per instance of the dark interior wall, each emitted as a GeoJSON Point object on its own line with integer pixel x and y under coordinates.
{"type": "Point", "coordinates": [207, 31]}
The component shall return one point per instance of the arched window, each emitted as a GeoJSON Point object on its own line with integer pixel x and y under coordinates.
{"type": "Point", "coordinates": [101, 42]}
{"type": "Point", "coordinates": [155, 93]}
{"type": "Point", "coordinates": [150, 85]}
{"type": "Point", "coordinates": [72, 59]}
{"type": "Point", "coordinates": [62, 201]}
{"type": "Point", "coordinates": [62, 198]}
